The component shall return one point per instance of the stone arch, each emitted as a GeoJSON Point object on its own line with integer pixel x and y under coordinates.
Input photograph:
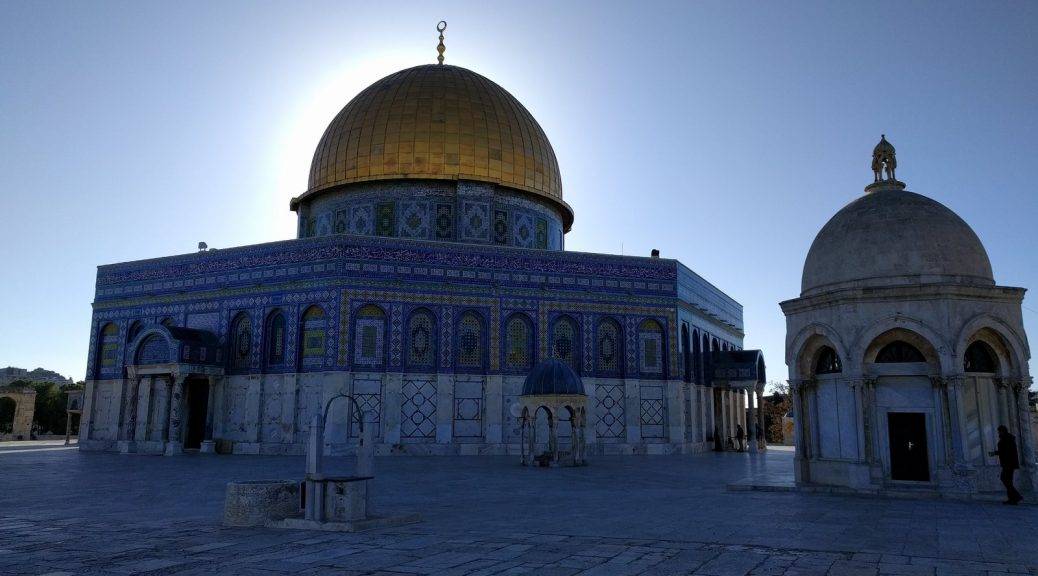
{"type": "Point", "coordinates": [916, 340]}
{"type": "Point", "coordinates": [1010, 347]}
{"type": "Point", "coordinates": [927, 340]}
{"type": "Point", "coordinates": [24, 400]}
{"type": "Point", "coordinates": [811, 335]}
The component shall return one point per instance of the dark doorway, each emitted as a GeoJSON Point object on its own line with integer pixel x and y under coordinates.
{"type": "Point", "coordinates": [908, 456]}
{"type": "Point", "coordinates": [197, 406]}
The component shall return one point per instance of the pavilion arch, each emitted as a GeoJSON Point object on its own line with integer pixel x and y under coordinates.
{"type": "Point", "coordinates": [886, 330]}
{"type": "Point", "coordinates": [996, 345]}
{"type": "Point", "coordinates": [812, 349]}
{"type": "Point", "coordinates": [1011, 349]}
{"type": "Point", "coordinates": [808, 340]}
{"type": "Point", "coordinates": [920, 343]}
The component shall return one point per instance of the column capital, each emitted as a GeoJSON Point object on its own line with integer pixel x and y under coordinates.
{"type": "Point", "coordinates": [939, 382]}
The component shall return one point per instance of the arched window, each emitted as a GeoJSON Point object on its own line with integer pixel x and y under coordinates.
{"type": "Point", "coordinates": [241, 341]}
{"type": "Point", "coordinates": [153, 350]}
{"type": "Point", "coordinates": [134, 330]}
{"type": "Point", "coordinates": [650, 343]}
{"type": "Point", "coordinates": [608, 347]}
{"type": "Point", "coordinates": [518, 343]}
{"type": "Point", "coordinates": [980, 358]}
{"type": "Point", "coordinates": [564, 342]}
{"type": "Point", "coordinates": [369, 336]}
{"type": "Point", "coordinates": [828, 361]}
{"type": "Point", "coordinates": [276, 338]}
{"type": "Point", "coordinates": [899, 351]}
{"type": "Point", "coordinates": [686, 354]}
{"type": "Point", "coordinates": [470, 341]}
{"type": "Point", "coordinates": [315, 334]}
{"type": "Point", "coordinates": [109, 345]}
{"type": "Point", "coordinates": [421, 340]}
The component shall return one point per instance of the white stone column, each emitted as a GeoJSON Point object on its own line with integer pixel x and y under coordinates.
{"type": "Point", "coordinates": [254, 409]}
{"type": "Point", "coordinates": [1026, 436]}
{"type": "Point", "coordinates": [751, 422]}
{"type": "Point", "coordinates": [391, 406]}
{"type": "Point", "coordinates": [675, 391]}
{"type": "Point", "coordinates": [208, 445]}
{"type": "Point", "coordinates": [761, 421]}
{"type": "Point", "coordinates": [87, 417]}
{"type": "Point", "coordinates": [632, 411]}
{"type": "Point", "coordinates": [495, 409]}
{"type": "Point", "coordinates": [957, 418]}
{"type": "Point", "coordinates": [175, 442]}
{"type": "Point", "coordinates": [290, 407]}
{"type": "Point", "coordinates": [144, 397]}
{"type": "Point", "coordinates": [444, 408]}
{"type": "Point", "coordinates": [129, 431]}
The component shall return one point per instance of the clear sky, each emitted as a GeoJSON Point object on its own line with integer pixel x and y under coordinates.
{"type": "Point", "coordinates": [723, 133]}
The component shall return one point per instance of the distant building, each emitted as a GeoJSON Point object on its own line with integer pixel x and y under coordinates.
{"type": "Point", "coordinates": [12, 374]}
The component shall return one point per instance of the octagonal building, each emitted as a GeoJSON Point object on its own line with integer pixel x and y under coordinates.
{"type": "Point", "coordinates": [904, 355]}
{"type": "Point", "coordinates": [427, 278]}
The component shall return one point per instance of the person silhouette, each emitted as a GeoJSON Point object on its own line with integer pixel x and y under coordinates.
{"type": "Point", "coordinates": [740, 435]}
{"type": "Point", "coordinates": [1009, 459]}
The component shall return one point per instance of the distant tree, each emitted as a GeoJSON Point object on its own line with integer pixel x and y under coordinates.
{"type": "Point", "coordinates": [49, 412]}
{"type": "Point", "coordinates": [777, 405]}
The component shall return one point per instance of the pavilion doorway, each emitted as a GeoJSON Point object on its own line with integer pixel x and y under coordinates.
{"type": "Point", "coordinates": [197, 409]}
{"type": "Point", "coordinates": [909, 459]}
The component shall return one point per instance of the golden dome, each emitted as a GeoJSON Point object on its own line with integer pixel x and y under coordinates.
{"type": "Point", "coordinates": [440, 122]}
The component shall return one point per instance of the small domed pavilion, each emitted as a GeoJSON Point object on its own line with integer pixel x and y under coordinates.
{"type": "Point", "coordinates": [554, 388]}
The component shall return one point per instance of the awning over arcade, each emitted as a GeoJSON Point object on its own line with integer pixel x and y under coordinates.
{"type": "Point", "coordinates": [735, 369]}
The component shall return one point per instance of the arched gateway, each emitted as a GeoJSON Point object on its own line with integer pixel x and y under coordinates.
{"type": "Point", "coordinates": [909, 388]}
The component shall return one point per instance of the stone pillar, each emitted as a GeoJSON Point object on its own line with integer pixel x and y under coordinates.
{"type": "Point", "coordinates": [289, 406]}
{"type": "Point", "coordinates": [675, 395]}
{"type": "Point", "coordinates": [391, 407]}
{"type": "Point", "coordinates": [956, 418]}
{"type": "Point", "coordinates": [632, 411]}
{"type": "Point", "coordinates": [1025, 439]}
{"type": "Point", "coordinates": [175, 442]}
{"type": "Point", "coordinates": [751, 422]}
{"type": "Point", "coordinates": [144, 396]}
{"type": "Point", "coordinates": [208, 445]}
{"type": "Point", "coordinates": [495, 409]}
{"type": "Point", "coordinates": [444, 408]}
{"type": "Point", "coordinates": [761, 416]}
{"type": "Point", "coordinates": [87, 417]}
{"type": "Point", "coordinates": [130, 429]}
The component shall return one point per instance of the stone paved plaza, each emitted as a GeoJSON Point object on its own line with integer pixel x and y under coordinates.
{"type": "Point", "coordinates": [67, 512]}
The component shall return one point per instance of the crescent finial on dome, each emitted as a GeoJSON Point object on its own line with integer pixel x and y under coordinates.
{"type": "Point", "coordinates": [441, 48]}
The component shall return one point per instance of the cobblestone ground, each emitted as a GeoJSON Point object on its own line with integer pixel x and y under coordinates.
{"type": "Point", "coordinates": [66, 512]}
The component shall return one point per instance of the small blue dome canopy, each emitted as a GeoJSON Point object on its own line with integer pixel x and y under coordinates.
{"type": "Point", "coordinates": [552, 377]}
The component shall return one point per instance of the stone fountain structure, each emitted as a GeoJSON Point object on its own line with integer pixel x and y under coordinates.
{"type": "Point", "coordinates": [319, 502]}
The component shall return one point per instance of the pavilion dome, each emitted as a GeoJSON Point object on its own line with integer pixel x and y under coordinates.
{"type": "Point", "coordinates": [891, 236]}
{"type": "Point", "coordinates": [438, 122]}
{"type": "Point", "coordinates": [552, 377]}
